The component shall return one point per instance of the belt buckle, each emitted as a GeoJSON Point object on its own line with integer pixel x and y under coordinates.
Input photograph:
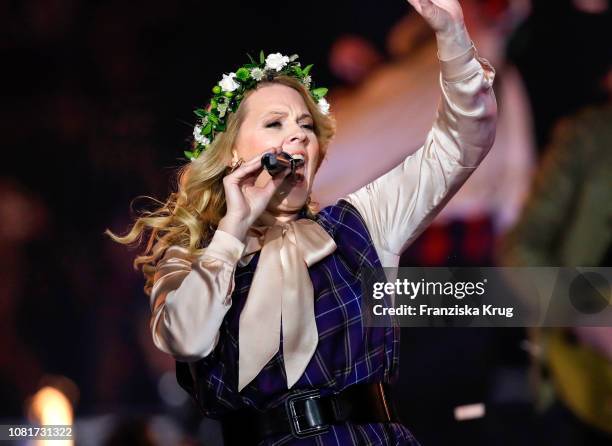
{"type": "Point", "coordinates": [315, 424]}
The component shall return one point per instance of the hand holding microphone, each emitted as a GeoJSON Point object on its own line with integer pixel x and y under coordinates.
{"type": "Point", "coordinates": [245, 201]}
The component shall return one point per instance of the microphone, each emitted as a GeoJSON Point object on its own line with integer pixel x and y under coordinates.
{"type": "Point", "coordinates": [274, 163]}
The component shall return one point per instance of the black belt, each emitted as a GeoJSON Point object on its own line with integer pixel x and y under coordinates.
{"type": "Point", "coordinates": [306, 413]}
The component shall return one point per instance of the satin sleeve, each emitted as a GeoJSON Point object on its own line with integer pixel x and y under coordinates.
{"type": "Point", "coordinates": [191, 295]}
{"type": "Point", "coordinates": [400, 204]}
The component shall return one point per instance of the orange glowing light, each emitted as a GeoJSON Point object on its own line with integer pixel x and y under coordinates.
{"type": "Point", "coordinates": [49, 406]}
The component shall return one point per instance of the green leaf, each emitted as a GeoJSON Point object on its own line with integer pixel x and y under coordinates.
{"type": "Point", "coordinates": [188, 154]}
{"type": "Point", "coordinates": [319, 92]}
{"type": "Point", "coordinates": [251, 59]}
{"type": "Point", "coordinates": [298, 71]}
{"type": "Point", "coordinates": [306, 70]}
{"type": "Point", "coordinates": [262, 58]}
{"type": "Point", "coordinates": [207, 129]}
{"type": "Point", "coordinates": [213, 118]}
{"type": "Point", "coordinates": [200, 113]}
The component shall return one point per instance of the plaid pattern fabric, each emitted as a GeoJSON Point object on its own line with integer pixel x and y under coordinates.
{"type": "Point", "coordinates": [347, 353]}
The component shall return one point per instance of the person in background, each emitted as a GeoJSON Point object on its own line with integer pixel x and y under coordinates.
{"type": "Point", "coordinates": [568, 222]}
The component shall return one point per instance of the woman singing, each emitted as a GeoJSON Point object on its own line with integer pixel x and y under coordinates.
{"type": "Point", "coordinates": [255, 293]}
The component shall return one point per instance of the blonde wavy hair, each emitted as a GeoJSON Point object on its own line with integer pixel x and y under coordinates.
{"type": "Point", "coordinates": [190, 215]}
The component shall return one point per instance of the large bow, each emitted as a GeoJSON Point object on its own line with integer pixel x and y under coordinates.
{"type": "Point", "coordinates": [281, 286]}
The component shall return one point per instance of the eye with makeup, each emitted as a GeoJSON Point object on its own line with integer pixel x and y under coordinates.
{"type": "Point", "coordinates": [278, 124]}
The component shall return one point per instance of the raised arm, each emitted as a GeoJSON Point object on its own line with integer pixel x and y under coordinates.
{"type": "Point", "coordinates": [190, 297]}
{"type": "Point", "coordinates": [399, 205]}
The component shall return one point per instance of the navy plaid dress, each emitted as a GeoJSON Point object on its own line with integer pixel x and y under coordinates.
{"type": "Point", "coordinates": [348, 352]}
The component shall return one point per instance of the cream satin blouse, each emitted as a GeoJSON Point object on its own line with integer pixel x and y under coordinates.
{"type": "Point", "coordinates": [190, 296]}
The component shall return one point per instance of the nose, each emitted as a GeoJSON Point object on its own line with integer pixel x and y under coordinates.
{"type": "Point", "coordinates": [298, 135]}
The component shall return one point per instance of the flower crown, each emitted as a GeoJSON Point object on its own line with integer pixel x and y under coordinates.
{"type": "Point", "coordinates": [230, 90]}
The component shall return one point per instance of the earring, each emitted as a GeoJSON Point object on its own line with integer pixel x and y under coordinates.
{"type": "Point", "coordinates": [236, 165]}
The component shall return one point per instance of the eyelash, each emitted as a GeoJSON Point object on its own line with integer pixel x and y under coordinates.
{"type": "Point", "coordinates": [275, 123]}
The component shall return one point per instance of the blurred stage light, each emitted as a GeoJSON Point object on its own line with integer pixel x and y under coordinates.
{"type": "Point", "coordinates": [50, 406]}
{"type": "Point", "coordinates": [469, 412]}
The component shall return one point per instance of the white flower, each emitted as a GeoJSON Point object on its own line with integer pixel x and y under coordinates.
{"type": "Point", "coordinates": [222, 108]}
{"type": "Point", "coordinates": [323, 106]}
{"type": "Point", "coordinates": [197, 135]}
{"type": "Point", "coordinates": [228, 83]}
{"type": "Point", "coordinates": [276, 61]}
{"type": "Point", "coordinates": [306, 81]}
{"type": "Point", "coordinates": [257, 74]}
{"type": "Point", "coordinates": [293, 57]}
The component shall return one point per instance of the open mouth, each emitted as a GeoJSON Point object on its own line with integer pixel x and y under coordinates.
{"type": "Point", "coordinates": [298, 163]}
{"type": "Point", "coordinates": [297, 177]}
